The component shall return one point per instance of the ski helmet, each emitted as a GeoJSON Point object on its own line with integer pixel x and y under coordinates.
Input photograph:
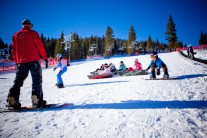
{"type": "Point", "coordinates": [59, 55]}
{"type": "Point", "coordinates": [136, 60]}
{"type": "Point", "coordinates": [154, 54]}
{"type": "Point", "coordinates": [27, 22]}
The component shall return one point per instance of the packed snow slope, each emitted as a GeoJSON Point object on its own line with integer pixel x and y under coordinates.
{"type": "Point", "coordinates": [201, 54]}
{"type": "Point", "coordinates": [118, 107]}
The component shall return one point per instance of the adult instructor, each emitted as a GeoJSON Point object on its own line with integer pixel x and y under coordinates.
{"type": "Point", "coordinates": [27, 49]}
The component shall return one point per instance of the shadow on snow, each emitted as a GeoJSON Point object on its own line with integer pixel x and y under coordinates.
{"type": "Point", "coordinates": [96, 83]}
{"type": "Point", "coordinates": [138, 104]}
{"type": "Point", "coordinates": [190, 76]}
{"type": "Point", "coordinates": [132, 104]}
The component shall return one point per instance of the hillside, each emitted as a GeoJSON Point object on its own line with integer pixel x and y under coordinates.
{"type": "Point", "coordinates": [115, 107]}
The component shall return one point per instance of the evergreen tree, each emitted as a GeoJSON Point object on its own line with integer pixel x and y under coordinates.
{"type": "Point", "coordinates": [149, 44]}
{"type": "Point", "coordinates": [180, 44]}
{"type": "Point", "coordinates": [203, 38]}
{"type": "Point", "coordinates": [108, 41]}
{"type": "Point", "coordinates": [143, 45]}
{"type": "Point", "coordinates": [51, 47]}
{"type": "Point", "coordinates": [131, 37]}
{"type": "Point", "coordinates": [98, 45]}
{"type": "Point", "coordinates": [170, 33]}
{"type": "Point", "coordinates": [157, 44]}
{"type": "Point", "coordinates": [162, 46]}
{"type": "Point", "coordinates": [116, 45]}
{"type": "Point", "coordinates": [75, 50]}
{"type": "Point", "coordinates": [44, 41]}
{"type": "Point", "coordinates": [59, 46]}
{"type": "Point", "coordinates": [2, 45]}
{"type": "Point", "coordinates": [83, 48]}
{"type": "Point", "coordinates": [102, 45]}
{"type": "Point", "coordinates": [93, 46]}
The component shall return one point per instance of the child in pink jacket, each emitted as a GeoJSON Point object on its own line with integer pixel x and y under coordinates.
{"type": "Point", "coordinates": [137, 66]}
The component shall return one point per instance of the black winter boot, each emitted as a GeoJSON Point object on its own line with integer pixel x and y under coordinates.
{"type": "Point", "coordinates": [37, 103]}
{"type": "Point", "coordinates": [153, 74]}
{"type": "Point", "coordinates": [166, 75]}
{"type": "Point", "coordinates": [12, 104]}
{"type": "Point", "coordinates": [60, 85]}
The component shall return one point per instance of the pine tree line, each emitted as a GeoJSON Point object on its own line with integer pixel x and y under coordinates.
{"type": "Point", "coordinates": [107, 45]}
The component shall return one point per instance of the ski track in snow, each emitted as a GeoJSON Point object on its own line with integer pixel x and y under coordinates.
{"type": "Point", "coordinates": [115, 107]}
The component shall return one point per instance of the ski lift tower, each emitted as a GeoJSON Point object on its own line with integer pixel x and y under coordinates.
{"type": "Point", "coordinates": [133, 45]}
{"type": "Point", "coordinates": [93, 47]}
{"type": "Point", "coordinates": [67, 40]}
{"type": "Point", "coordinates": [109, 50]}
{"type": "Point", "coordinates": [122, 48]}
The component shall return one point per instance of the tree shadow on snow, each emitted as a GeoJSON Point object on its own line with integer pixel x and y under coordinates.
{"type": "Point", "coordinates": [132, 104]}
{"type": "Point", "coordinates": [191, 76]}
{"type": "Point", "coordinates": [138, 104]}
{"type": "Point", "coordinates": [96, 83]}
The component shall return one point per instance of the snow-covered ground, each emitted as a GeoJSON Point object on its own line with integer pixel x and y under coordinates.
{"type": "Point", "coordinates": [201, 54]}
{"type": "Point", "coordinates": [118, 107]}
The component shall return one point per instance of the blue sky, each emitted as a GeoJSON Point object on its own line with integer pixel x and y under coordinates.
{"type": "Point", "coordinates": [91, 17]}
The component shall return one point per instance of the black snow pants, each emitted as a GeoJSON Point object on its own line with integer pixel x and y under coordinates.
{"type": "Point", "coordinates": [164, 67]}
{"type": "Point", "coordinates": [21, 74]}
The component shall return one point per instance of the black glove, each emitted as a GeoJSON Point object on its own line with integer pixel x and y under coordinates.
{"type": "Point", "coordinates": [46, 63]}
{"type": "Point", "coordinates": [60, 71]}
{"type": "Point", "coordinates": [54, 69]}
{"type": "Point", "coordinates": [158, 71]}
{"type": "Point", "coordinates": [147, 68]}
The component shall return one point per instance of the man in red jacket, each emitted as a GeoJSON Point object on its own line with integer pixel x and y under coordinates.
{"type": "Point", "coordinates": [27, 50]}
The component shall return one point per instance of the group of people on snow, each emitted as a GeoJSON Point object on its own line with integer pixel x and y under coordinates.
{"type": "Point", "coordinates": [155, 65]}
{"type": "Point", "coordinates": [122, 67]}
{"type": "Point", "coordinates": [28, 40]}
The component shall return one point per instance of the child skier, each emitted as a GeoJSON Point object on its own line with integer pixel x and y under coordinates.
{"type": "Point", "coordinates": [63, 68]}
{"type": "Point", "coordinates": [157, 63]}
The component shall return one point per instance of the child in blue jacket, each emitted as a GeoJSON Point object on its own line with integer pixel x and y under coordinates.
{"type": "Point", "coordinates": [157, 63]}
{"type": "Point", "coordinates": [63, 68]}
{"type": "Point", "coordinates": [122, 66]}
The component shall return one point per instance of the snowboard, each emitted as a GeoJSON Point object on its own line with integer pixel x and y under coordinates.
{"type": "Point", "coordinates": [100, 76]}
{"type": "Point", "coordinates": [162, 78]}
{"type": "Point", "coordinates": [30, 108]}
{"type": "Point", "coordinates": [132, 73]}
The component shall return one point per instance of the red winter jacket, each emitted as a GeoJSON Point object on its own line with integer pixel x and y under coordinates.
{"type": "Point", "coordinates": [137, 65]}
{"type": "Point", "coordinates": [27, 46]}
